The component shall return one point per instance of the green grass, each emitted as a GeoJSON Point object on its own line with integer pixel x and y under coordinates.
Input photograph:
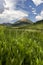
{"type": "Point", "coordinates": [20, 47]}
{"type": "Point", "coordinates": [32, 26]}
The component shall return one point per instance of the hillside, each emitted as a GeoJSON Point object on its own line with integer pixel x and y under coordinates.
{"type": "Point", "coordinates": [25, 23]}
{"type": "Point", "coordinates": [6, 24]}
{"type": "Point", "coordinates": [39, 22]}
{"type": "Point", "coordinates": [36, 25]}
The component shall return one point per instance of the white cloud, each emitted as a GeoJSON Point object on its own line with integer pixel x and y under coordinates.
{"type": "Point", "coordinates": [39, 16]}
{"type": "Point", "coordinates": [30, 6]}
{"type": "Point", "coordinates": [37, 2]}
{"type": "Point", "coordinates": [34, 11]}
{"type": "Point", "coordinates": [10, 13]}
{"type": "Point", "coordinates": [2, 2]}
{"type": "Point", "coordinates": [11, 3]}
{"type": "Point", "coordinates": [42, 13]}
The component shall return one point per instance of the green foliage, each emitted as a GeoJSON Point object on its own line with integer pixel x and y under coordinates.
{"type": "Point", "coordinates": [20, 47]}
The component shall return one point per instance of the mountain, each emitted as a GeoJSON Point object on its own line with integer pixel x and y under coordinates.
{"type": "Point", "coordinates": [6, 24]}
{"type": "Point", "coordinates": [25, 23]}
{"type": "Point", "coordinates": [22, 22]}
{"type": "Point", "coordinates": [38, 25]}
{"type": "Point", "coordinates": [39, 22]}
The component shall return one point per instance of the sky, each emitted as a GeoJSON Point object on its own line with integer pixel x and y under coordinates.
{"type": "Point", "coordinates": [13, 10]}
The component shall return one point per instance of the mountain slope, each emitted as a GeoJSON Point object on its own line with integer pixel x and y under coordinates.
{"type": "Point", "coordinates": [22, 22]}
{"type": "Point", "coordinates": [36, 25]}
{"type": "Point", "coordinates": [39, 22]}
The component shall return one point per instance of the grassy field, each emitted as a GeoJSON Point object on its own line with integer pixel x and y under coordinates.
{"type": "Point", "coordinates": [21, 46]}
{"type": "Point", "coordinates": [34, 26]}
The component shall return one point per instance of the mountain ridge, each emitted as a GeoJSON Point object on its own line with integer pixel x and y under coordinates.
{"type": "Point", "coordinates": [40, 21]}
{"type": "Point", "coordinates": [23, 21]}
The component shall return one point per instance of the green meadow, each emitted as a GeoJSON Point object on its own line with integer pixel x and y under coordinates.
{"type": "Point", "coordinates": [20, 46]}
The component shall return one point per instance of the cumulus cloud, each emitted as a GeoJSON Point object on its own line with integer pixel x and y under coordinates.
{"type": "Point", "coordinates": [37, 2]}
{"type": "Point", "coordinates": [11, 4]}
{"type": "Point", "coordinates": [10, 13]}
{"type": "Point", "coordinates": [2, 2]}
{"type": "Point", "coordinates": [39, 16]}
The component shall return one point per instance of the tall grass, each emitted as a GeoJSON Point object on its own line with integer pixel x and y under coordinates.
{"type": "Point", "coordinates": [20, 47]}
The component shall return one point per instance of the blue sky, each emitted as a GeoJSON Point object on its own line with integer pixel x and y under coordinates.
{"type": "Point", "coordinates": [13, 10]}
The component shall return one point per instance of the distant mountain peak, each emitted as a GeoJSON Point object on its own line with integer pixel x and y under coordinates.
{"type": "Point", "coordinates": [23, 21]}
